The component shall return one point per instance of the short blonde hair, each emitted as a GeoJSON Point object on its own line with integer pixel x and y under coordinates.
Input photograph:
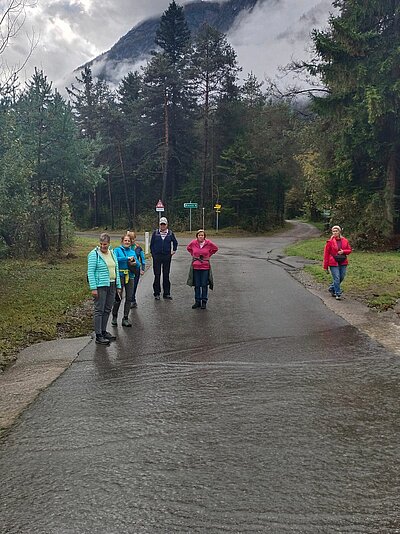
{"type": "Point", "coordinates": [131, 234]}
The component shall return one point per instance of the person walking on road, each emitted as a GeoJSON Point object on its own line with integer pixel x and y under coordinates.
{"type": "Point", "coordinates": [201, 250]}
{"type": "Point", "coordinates": [163, 245]}
{"type": "Point", "coordinates": [336, 250]}
{"type": "Point", "coordinates": [127, 262]}
{"type": "Point", "coordinates": [140, 265]}
{"type": "Point", "coordinates": [104, 282]}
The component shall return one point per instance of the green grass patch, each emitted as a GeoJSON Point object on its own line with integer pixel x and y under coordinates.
{"type": "Point", "coordinates": [45, 299]}
{"type": "Point", "coordinates": [373, 277]}
{"type": "Point", "coordinates": [41, 300]}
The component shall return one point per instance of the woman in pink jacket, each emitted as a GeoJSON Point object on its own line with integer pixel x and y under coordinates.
{"type": "Point", "coordinates": [201, 250]}
{"type": "Point", "coordinates": [336, 250]}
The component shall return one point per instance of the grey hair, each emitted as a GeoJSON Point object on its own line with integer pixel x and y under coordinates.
{"type": "Point", "coordinates": [105, 238]}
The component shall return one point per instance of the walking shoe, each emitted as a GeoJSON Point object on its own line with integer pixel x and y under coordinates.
{"type": "Point", "coordinates": [134, 305]}
{"type": "Point", "coordinates": [338, 297]}
{"type": "Point", "coordinates": [167, 297]}
{"type": "Point", "coordinates": [331, 291]}
{"type": "Point", "coordinates": [126, 322]}
{"type": "Point", "coordinates": [157, 297]}
{"type": "Point", "coordinates": [196, 305]}
{"type": "Point", "coordinates": [203, 304]}
{"type": "Point", "coordinates": [109, 336]}
{"type": "Point", "coordinates": [102, 340]}
{"type": "Point", "coordinates": [114, 320]}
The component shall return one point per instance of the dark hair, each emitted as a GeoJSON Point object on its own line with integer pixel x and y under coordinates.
{"type": "Point", "coordinates": [201, 230]}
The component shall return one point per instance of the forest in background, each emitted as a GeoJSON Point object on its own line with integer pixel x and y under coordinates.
{"type": "Point", "coordinates": [184, 129]}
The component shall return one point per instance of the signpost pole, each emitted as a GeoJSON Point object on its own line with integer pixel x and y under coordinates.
{"type": "Point", "coordinates": [216, 229]}
{"type": "Point", "coordinates": [203, 209]}
{"type": "Point", "coordinates": [190, 220]}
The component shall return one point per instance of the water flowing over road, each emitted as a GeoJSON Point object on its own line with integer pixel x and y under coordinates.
{"type": "Point", "coordinates": [264, 413]}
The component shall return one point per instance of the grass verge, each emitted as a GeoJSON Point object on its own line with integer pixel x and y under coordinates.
{"type": "Point", "coordinates": [372, 277]}
{"type": "Point", "coordinates": [44, 300]}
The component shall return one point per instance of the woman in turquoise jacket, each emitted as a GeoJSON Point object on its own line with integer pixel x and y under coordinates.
{"type": "Point", "coordinates": [127, 264]}
{"type": "Point", "coordinates": [104, 282]}
{"type": "Point", "coordinates": [140, 266]}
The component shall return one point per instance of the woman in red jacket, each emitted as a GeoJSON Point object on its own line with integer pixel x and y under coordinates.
{"type": "Point", "coordinates": [201, 250]}
{"type": "Point", "coordinates": [336, 250]}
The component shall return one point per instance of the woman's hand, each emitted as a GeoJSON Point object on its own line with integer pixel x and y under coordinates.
{"type": "Point", "coordinates": [95, 293]}
{"type": "Point", "coordinates": [119, 292]}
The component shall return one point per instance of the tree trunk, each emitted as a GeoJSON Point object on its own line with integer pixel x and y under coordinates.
{"type": "Point", "coordinates": [127, 203]}
{"type": "Point", "coordinates": [205, 145]}
{"type": "Point", "coordinates": [393, 191]}
{"type": "Point", "coordinates": [95, 209]}
{"type": "Point", "coordinates": [60, 212]}
{"type": "Point", "coordinates": [110, 200]}
{"type": "Point", "coordinates": [165, 151]}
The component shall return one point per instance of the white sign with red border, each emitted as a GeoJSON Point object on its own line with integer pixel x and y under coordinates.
{"type": "Point", "coordinates": [160, 206]}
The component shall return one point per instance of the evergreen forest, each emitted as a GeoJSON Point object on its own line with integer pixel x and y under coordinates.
{"type": "Point", "coordinates": [191, 127]}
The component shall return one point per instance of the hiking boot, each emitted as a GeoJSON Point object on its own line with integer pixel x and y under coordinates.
{"type": "Point", "coordinates": [114, 320]}
{"type": "Point", "coordinates": [134, 305]}
{"type": "Point", "coordinates": [157, 297]}
{"type": "Point", "coordinates": [167, 297]}
{"type": "Point", "coordinates": [102, 340]}
{"type": "Point", "coordinates": [126, 322]}
{"type": "Point", "coordinates": [196, 305]}
{"type": "Point", "coordinates": [338, 297]}
{"type": "Point", "coordinates": [203, 305]}
{"type": "Point", "coordinates": [109, 336]}
{"type": "Point", "coordinates": [331, 291]}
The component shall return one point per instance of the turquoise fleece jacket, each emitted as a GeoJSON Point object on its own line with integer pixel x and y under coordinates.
{"type": "Point", "coordinates": [123, 254]}
{"type": "Point", "coordinates": [98, 275]}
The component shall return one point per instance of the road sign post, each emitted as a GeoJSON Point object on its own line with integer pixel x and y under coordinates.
{"type": "Point", "coordinates": [190, 206]}
{"type": "Point", "coordinates": [159, 208]}
{"type": "Point", "coordinates": [217, 208]}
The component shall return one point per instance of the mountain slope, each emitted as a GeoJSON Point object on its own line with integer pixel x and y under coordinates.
{"type": "Point", "coordinates": [137, 44]}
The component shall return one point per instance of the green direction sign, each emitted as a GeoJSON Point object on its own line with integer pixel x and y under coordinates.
{"type": "Point", "coordinates": [190, 205]}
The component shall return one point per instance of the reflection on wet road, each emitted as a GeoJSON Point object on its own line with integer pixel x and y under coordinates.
{"type": "Point", "coordinates": [265, 413]}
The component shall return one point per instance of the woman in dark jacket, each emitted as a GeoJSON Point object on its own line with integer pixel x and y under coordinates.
{"type": "Point", "coordinates": [336, 250]}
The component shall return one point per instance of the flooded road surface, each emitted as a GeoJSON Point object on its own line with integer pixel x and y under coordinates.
{"type": "Point", "coordinates": [264, 413]}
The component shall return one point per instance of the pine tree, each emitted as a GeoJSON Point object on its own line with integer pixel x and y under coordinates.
{"type": "Point", "coordinates": [358, 61]}
{"type": "Point", "coordinates": [213, 62]}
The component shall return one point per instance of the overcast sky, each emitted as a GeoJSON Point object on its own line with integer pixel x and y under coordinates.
{"type": "Point", "coordinates": [72, 32]}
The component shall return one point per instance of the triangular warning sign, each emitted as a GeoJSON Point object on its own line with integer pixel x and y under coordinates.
{"type": "Point", "coordinates": [159, 204]}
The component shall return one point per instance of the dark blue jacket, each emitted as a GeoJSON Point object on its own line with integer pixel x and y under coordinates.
{"type": "Point", "coordinates": [162, 246]}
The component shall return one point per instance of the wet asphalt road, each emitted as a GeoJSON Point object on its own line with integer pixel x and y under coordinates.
{"type": "Point", "coordinates": [264, 413]}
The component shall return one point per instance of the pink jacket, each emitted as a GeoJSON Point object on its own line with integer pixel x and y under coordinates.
{"type": "Point", "coordinates": [205, 252]}
{"type": "Point", "coordinates": [331, 249]}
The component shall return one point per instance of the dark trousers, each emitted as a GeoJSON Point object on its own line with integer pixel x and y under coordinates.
{"type": "Point", "coordinates": [128, 297]}
{"type": "Point", "coordinates": [161, 262]}
{"type": "Point", "coordinates": [135, 284]}
{"type": "Point", "coordinates": [200, 280]}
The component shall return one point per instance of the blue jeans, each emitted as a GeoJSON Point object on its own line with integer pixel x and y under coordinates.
{"type": "Point", "coordinates": [200, 280]}
{"type": "Point", "coordinates": [338, 274]}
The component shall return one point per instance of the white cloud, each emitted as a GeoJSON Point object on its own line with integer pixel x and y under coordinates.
{"type": "Point", "coordinates": [276, 32]}
{"type": "Point", "coordinates": [72, 32]}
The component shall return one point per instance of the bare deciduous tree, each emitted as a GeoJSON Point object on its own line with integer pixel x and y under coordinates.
{"type": "Point", "coordinates": [12, 19]}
